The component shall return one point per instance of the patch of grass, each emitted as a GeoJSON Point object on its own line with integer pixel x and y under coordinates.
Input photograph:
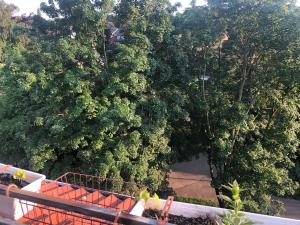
{"type": "Point", "coordinates": [195, 201]}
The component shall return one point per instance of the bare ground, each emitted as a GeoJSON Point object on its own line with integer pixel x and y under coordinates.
{"type": "Point", "coordinates": [191, 179]}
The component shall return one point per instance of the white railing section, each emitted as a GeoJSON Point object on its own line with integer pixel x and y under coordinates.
{"type": "Point", "coordinates": [192, 210]}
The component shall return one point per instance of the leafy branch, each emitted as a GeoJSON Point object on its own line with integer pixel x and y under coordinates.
{"type": "Point", "coordinates": [234, 216]}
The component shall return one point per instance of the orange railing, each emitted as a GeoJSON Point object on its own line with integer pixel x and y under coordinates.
{"type": "Point", "coordinates": [81, 199]}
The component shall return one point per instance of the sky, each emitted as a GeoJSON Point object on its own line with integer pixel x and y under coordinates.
{"type": "Point", "coordinates": [28, 6]}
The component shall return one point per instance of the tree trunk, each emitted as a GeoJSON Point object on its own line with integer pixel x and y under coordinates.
{"type": "Point", "coordinates": [211, 171]}
{"type": "Point", "coordinates": [104, 49]}
{"type": "Point", "coordinates": [220, 201]}
{"type": "Point", "coordinates": [242, 85]}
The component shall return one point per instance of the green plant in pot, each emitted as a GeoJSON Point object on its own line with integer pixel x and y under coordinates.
{"type": "Point", "coordinates": [19, 177]}
{"type": "Point", "coordinates": [150, 203]}
{"type": "Point", "coordinates": [234, 216]}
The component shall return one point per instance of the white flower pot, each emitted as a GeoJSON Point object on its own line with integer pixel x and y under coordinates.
{"type": "Point", "coordinates": [139, 208]}
{"type": "Point", "coordinates": [11, 207]}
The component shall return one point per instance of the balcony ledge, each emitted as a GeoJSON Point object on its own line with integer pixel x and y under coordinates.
{"type": "Point", "coordinates": [192, 210]}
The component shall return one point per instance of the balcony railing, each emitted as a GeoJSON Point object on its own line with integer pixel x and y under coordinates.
{"type": "Point", "coordinates": [82, 211]}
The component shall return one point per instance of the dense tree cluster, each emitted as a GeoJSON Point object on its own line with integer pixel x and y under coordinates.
{"type": "Point", "coordinates": [248, 110]}
{"type": "Point", "coordinates": [124, 89]}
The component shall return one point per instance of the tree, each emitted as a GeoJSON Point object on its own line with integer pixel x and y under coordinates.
{"type": "Point", "coordinates": [166, 74]}
{"type": "Point", "coordinates": [81, 102]}
{"type": "Point", "coordinates": [101, 88]}
{"type": "Point", "coordinates": [244, 95]}
{"type": "Point", "coordinates": [6, 25]}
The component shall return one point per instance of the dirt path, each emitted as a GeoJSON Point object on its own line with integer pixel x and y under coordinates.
{"type": "Point", "coordinates": [192, 179]}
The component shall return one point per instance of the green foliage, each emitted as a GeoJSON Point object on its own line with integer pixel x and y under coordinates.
{"type": "Point", "coordinates": [84, 102]}
{"type": "Point", "coordinates": [19, 174]}
{"type": "Point", "coordinates": [234, 216]}
{"type": "Point", "coordinates": [154, 202]}
{"type": "Point", "coordinates": [245, 116]}
{"type": "Point", "coordinates": [6, 26]}
{"type": "Point", "coordinates": [72, 98]}
{"type": "Point", "coordinates": [264, 205]}
{"type": "Point", "coordinates": [144, 195]}
{"type": "Point", "coordinates": [295, 174]}
{"type": "Point", "coordinates": [150, 202]}
{"type": "Point", "coordinates": [195, 201]}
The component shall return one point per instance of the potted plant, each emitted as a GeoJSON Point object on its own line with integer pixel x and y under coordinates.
{"type": "Point", "coordinates": [23, 179]}
{"type": "Point", "coordinates": [145, 201]}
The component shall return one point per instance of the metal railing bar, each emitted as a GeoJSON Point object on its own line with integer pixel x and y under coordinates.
{"type": "Point", "coordinates": [91, 189]}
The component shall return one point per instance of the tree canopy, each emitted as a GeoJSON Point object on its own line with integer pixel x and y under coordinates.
{"type": "Point", "coordinates": [124, 89]}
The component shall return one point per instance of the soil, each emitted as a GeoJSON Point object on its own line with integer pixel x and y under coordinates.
{"type": "Point", "coordinates": [180, 220]}
{"type": "Point", "coordinates": [7, 179]}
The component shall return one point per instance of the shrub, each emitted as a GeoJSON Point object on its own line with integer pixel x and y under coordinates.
{"type": "Point", "coordinates": [195, 201]}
